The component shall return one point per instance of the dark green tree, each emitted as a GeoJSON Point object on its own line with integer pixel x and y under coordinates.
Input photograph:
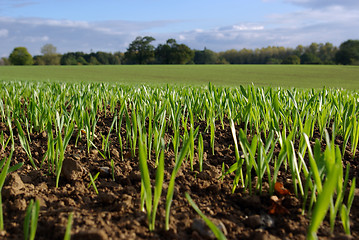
{"type": "Point", "coordinates": [173, 53]}
{"type": "Point", "coordinates": [292, 59]}
{"type": "Point", "coordinates": [348, 53]}
{"type": "Point", "coordinates": [81, 61]}
{"type": "Point", "coordinates": [93, 61]}
{"type": "Point", "coordinates": [205, 56]}
{"type": "Point", "coordinates": [20, 56]}
{"type": "Point", "coordinates": [309, 58]}
{"type": "Point", "coordinates": [74, 58]}
{"type": "Point", "coordinates": [231, 56]}
{"type": "Point", "coordinates": [163, 52]}
{"type": "Point", "coordinates": [38, 60]}
{"type": "Point", "coordinates": [140, 51]}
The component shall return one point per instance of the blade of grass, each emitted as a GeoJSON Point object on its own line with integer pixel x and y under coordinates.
{"type": "Point", "coordinates": [218, 233]}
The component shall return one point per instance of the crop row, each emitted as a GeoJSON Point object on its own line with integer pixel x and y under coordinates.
{"type": "Point", "coordinates": [157, 118]}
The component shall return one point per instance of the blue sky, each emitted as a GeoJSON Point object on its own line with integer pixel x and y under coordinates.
{"type": "Point", "coordinates": [110, 25]}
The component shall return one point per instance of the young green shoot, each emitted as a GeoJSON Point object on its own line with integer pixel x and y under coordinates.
{"type": "Point", "coordinates": [31, 219]}
{"type": "Point", "coordinates": [216, 231]}
{"type": "Point", "coordinates": [68, 227]}
{"type": "Point", "coordinates": [92, 181]}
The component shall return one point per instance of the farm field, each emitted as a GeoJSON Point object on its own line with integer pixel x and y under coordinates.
{"type": "Point", "coordinates": [300, 76]}
{"type": "Point", "coordinates": [120, 160]}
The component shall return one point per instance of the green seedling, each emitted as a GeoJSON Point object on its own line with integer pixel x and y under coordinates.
{"type": "Point", "coordinates": [31, 219]}
{"type": "Point", "coordinates": [4, 142]}
{"type": "Point", "coordinates": [171, 184]}
{"type": "Point", "coordinates": [92, 181]}
{"type": "Point", "coordinates": [218, 233]}
{"type": "Point", "coordinates": [146, 190]}
{"type": "Point", "coordinates": [325, 193]}
{"type": "Point", "coordinates": [25, 144]}
{"type": "Point", "coordinates": [68, 227]}
{"type": "Point", "coordinates": [345, 209]}
{"type": "Point", "coordinates": [113, 169]}
{"type": "Point", "coordinates": [200, 152]}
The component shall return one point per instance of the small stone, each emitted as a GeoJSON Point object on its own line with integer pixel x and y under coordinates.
{"type": "Point", "coordinates": [15, 181]}
{"type": "Point", "coordinates": [71, 169]}
{"type": "Point", "coordinates": [14, 186]}
{"type": "Point", "coordinates": [268, 221]}
{"type": "Point", "coordinates": [254, 221]}
{"type": "Point", "coordinates": [105, 170]}
{"type": "Point", "coordinates": [201, 227]}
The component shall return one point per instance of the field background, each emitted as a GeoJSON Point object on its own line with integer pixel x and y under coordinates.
{"type": "Point", "coordinates": [300, 76]}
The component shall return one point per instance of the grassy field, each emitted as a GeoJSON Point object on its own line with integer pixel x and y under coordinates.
{"type": "Point", "coordinates": [302, 76]}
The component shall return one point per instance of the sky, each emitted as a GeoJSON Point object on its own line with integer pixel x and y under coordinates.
{"type": "Point", "coordinates": [111, 25]}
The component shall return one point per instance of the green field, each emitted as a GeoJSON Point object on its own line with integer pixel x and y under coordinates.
{"type": "Point", "coordinates": [300, 76]}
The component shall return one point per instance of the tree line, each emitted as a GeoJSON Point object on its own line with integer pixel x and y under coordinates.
{"type": "Point", "coordinates": [142, 51]}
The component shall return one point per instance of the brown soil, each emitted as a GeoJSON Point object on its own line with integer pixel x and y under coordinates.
{"type": "Point", "coordinates": [115, 212]}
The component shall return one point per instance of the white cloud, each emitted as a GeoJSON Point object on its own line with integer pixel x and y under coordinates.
{"type": "Point", "coordinates": [4, 33]}
{"type": "Point", "coordinates": [181, 37]}
{"type": "Point", "coordinates": [349, 4]}
{"type": "Point", "coordinates": [36, 39]}
{"type": "Point", "coordinates": [69, 35]}
{"type": "Point", "coordinates": [330, 16]}
{"type": "Point", "coordinates": [332, 23]}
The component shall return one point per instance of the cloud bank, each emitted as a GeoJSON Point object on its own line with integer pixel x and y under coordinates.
{"type": "Point", "coordinates": [318, 21]}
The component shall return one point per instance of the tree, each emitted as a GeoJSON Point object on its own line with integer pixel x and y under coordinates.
{"type": "Point", "coordinates": [292, 59]}
{"type": "Point", "coordinates": [231, 56]}
{"type": "Point", "coordinates": [299, 50]}
{"type": "Point", "coordinates": [327, 53]}
{"type": "Point", "coordinates": [4, 61]}
{"type": "Point", "coordinates": [140, 51]}
{"type": "Point", "coordinates": [20, 56]}
{"type": "Point", "coordinates": [93, 61]}
{"type": "Point", "coordinates": [106, 58]}
{"type": "Point", "coordinates": [205, 56]}
{"type": "Point", "coordinates": [48, 49]}
{"type": "Point", "coordinates": [313, 48]}
{"type": "Point", "coordinates": [348, 53]}
{"type": "Point", "coordinates": [173, 53]}
{"type": "Point", "coordinates": [38, 60]}
{"type": "Point", "coordinates": [309, 58]}
{"type": "Point", "coordinates": [50, 57]}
